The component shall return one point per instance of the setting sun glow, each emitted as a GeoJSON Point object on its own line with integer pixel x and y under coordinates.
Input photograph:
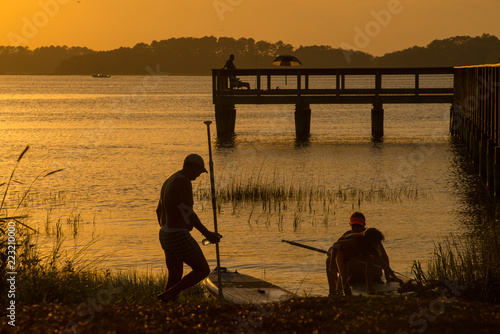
{"type": "Point", "coordinates": [373, 26]}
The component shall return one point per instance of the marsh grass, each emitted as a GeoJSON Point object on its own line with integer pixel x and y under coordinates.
{"type": "Point", "coordinates": [54, 276]}
{"type": "Point", "coordinates": [277, 194]}
{"type": "Point", "coordinates": [275, 198]}
{"type": "Point", "coordinates": [472, 260]}
{"type": "Point", "coordinates": [59, 277]}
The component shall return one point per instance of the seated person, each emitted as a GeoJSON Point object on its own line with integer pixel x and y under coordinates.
{"type": "Point", "coordinates": [357, 222]}
{"type": "Point", "coordinates": [235, 82]}
{"type": "Point", "coordinates": [363, 247]}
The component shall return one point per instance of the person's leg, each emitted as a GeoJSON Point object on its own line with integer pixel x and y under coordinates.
{"type": "Point", "coordinates": [356, 271]}
{"type": "Point", "coordinates": [343, 270]}
{"type": "Point", "coordinates": [369, 275]}
{"type": "Point", "coordinates": [175, 269]}
{"type": "Point", "coordinates": [200, 270]}
{"type": "Point", "coordinates": [331, 274]}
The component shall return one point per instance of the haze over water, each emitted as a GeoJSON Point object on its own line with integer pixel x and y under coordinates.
{"type": "Point", "coordinates": [118, 139]}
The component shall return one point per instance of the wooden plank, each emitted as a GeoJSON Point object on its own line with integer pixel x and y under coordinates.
{"type": "Point", "coordinates": [334, 99]}
{"type": "Point", "coordinates": [333, 71]}
{"type": "Point", "coordinates": [294, 92]}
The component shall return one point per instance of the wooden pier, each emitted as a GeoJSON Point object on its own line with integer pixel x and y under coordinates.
{"type": "Point", "coordinates": [305, 91]}
{"type": "Point", "coordinates": [475, 118]}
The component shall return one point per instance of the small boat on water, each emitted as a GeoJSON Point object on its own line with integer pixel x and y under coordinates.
{"type": "Point", "coordinates": [242, 289]}
{"type": "Point", "coordinates": [101, 75]}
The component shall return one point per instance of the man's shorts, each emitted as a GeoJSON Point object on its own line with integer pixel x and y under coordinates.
{"type": "Point", "coordinates": [180, 245]}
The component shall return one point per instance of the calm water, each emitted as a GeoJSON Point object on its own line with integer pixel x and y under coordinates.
{"type": "Point", "coordinates": [118, 139]}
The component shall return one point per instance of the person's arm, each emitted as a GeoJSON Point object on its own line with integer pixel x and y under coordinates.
{"type": "Point", "coordinates": [387, 269]}
{"type": "Point", "coordinates": [383, 254]}
{"type": "Point", "coordinates": [385, 258]}
{"type": "Point", "coordinates": [196, 222]}
{"type": "Point", "coordinates": [335, 249]}
{"type": "Point", "coordinates": [190, 217]}
{"type": "Point", "coordinates": [159, 212]}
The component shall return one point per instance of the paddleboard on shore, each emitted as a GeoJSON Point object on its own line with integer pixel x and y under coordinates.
{"type": "Point", "coordinates": [243, 289]}
{"type": "Point", "coordinates": [382, 288]}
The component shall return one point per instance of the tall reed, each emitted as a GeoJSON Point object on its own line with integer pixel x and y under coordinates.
{"type": "Point", "coordinates": [276, 194]}
{"type": "Point", "coordinates": [472, 261]}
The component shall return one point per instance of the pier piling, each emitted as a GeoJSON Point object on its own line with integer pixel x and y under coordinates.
{"type": "Point", "coordinates": [302, 120]}
{"type": "Point", "coordinates": [377, 121]}
{"type": "Point", "coordinates": [225, 118]}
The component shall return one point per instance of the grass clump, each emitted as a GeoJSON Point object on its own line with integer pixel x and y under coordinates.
{"type": "Point", "coordinates": [278, 194]}
{"type": "Point", "coordinates": [473, 261]}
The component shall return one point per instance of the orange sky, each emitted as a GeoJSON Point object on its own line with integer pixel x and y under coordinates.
{"type": "Point", "coordinates": [374, 26]}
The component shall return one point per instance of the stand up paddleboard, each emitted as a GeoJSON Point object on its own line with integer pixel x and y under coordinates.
{"type": "Point", "coordinates": [381, 288]}
{"type": "Point", "coordinates": [243, 289]}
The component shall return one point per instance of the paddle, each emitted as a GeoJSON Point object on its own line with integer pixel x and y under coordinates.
{"type": "Point", "coordinates": [304, 246]}
{"type": "Point", "coordinates": [214, 208]}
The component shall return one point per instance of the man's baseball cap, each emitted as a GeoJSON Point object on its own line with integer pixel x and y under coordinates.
{"type": "Point", "coordinates": [197, 160]}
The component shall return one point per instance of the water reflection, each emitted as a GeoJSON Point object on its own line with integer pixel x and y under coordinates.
{"type": "Point", "coordinates": [478, 205]}
{"type": "Point", "coordinates": [226, 142]}
{"type": "Point", "coordinates": [302, 142]}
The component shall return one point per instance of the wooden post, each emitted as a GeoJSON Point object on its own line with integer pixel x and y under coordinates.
{"type": "Point", "coordinates": [299, 84]}
{"type": "Point", "coordinates": [417, 83]}
{"type": "Point", "coordinates": [467, 136]}
{"type": "Point", "coordinates": [258, 83]}
{"type": "Point", "coordinates": [497, 171]}
{"type": "Point", "coordinates": [377, 121]}
{"type": "Point", "coordinates": [302, 120]}
{"type": "Point", "coordinates": [453, 121]}
{"type": "Point", "coordinates": [337, 83]}
{"type": "Point", "coordinates": [483, 151]}
{"type": "Point", "coordinates": [378, 83]}
{"type": "Point", "coordinates": [225, 118]}
{"type": "Point", "coordinates": [490, 164]}
{"type": "Point", "coordinates": [474, 142]}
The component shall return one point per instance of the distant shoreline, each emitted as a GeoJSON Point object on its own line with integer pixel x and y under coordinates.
{"type": "Point", "coordinates": [196, 56]}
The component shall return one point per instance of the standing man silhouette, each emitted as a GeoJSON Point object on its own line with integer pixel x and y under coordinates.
{"type": "Point", "coordinates": [176, 218]}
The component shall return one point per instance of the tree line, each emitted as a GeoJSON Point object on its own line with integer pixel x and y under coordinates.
{"type": "Point", "coordinates": [196, 56]}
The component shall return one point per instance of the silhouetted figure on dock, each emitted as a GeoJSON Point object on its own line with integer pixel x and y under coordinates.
{"type": "Point", "coordinates": [234, 82]}
{"type": "Point", "coordinates": [176, 218]}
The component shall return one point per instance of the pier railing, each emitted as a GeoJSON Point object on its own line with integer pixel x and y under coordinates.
{"type": "Point", "coordinates": [264, 90]}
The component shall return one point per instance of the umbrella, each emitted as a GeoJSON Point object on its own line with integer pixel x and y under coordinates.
{"type": "Point", "coordinates": [286, 61]}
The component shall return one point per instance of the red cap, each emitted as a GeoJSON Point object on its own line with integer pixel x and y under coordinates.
{"type": "Point", "coordinates": [357, 220]}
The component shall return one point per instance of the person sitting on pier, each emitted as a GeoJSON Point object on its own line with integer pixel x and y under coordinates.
{"type": "Point", "coordinates": [353, 249]}
{"type": "Point", "coordinates": [234, 82]}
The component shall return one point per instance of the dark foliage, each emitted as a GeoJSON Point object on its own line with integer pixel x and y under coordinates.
{"type": "Point", "coordinates": [196, 56]}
